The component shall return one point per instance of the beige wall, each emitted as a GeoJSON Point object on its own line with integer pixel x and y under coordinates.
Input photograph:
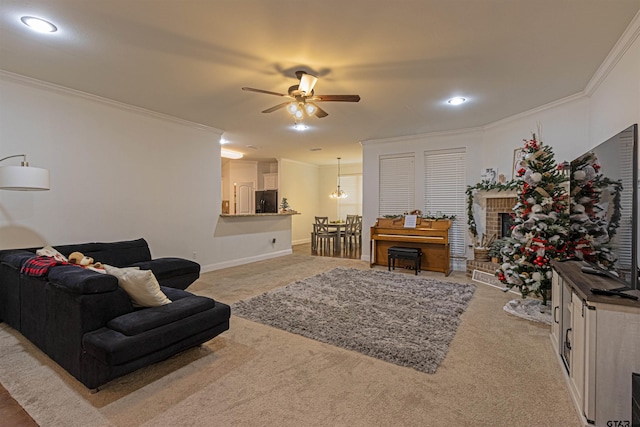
{"type": "Point", "coordinates": [299, 184]}
{"type": "Point", "coordinates": [119, 172]}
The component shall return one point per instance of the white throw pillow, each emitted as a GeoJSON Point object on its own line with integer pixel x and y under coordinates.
{"type": "Point", "coordinates": [141, 285]}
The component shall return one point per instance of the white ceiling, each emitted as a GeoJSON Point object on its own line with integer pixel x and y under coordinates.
{"type": "Point", "coordinates": [190, 58]}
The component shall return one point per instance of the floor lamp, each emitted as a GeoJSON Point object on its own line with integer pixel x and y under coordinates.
{"type": "Point", "coordinates": [23, 177]}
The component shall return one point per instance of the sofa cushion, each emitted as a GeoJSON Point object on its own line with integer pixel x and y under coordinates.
{"type": "Point", "coordinates": [141, 285]}
{"type": "Point", "coordinates": [118, 254]}
{"type": "Point", "coordinates": [175, 294]}
{"type": "Point", "coordinates": [16, 259]}
{"type": "Point", "coordinates": [81, 281]}
{"type": "Point", "coordinates": [115, 348]}
{"type": "Point", "coordinates": [155, 317]}
{"type": "Point", "coordinates": [169, 267]}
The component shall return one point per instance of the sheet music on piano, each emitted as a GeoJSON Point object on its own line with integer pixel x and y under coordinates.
{"type": "Point", "coordinates": [410, 221]}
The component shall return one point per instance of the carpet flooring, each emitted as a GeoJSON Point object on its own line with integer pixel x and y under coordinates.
{"type": "Point", "coordinates": [500, 370]}
{"type": "Point", "coordinates": [401, 319]}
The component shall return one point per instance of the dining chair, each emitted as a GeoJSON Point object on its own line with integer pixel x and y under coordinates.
{"type": "Point", "coordinates": [323, 235]}
{"type": "Point", "coordinates": [350, 231]}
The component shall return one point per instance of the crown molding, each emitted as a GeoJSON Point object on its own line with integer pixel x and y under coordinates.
{"type": "Point", "coordinates": [421, 136]}
{"type": "Point", "coordinates": [297, 162]}
{"type": "Point", "coordinates": [553, 104]}
{"type": "Point", "coordinates": [51, 87]}
{"type": "Point", "coordinates": [621, 47]}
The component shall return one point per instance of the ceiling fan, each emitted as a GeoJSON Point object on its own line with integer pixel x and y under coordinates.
{"type": "Point", "coordinates": [304, 98]}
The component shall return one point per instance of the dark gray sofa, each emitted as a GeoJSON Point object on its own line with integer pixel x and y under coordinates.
{"type": "Point", "coordinates": [86, 323]}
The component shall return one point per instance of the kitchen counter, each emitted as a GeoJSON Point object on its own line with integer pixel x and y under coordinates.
{"type": "Point", "coordinates": [259, 215]}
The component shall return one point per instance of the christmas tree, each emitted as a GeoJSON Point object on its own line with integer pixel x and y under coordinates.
{"type": "Point", "coordinates": [595, 213]}
{"type": "Point", "coordinates": [541, 224]}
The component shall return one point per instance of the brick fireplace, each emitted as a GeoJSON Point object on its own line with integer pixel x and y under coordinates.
{"type": "Point", "coordinates": [495, 205]}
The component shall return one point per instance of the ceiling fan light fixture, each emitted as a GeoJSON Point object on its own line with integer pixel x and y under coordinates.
{"type": "Point", "coordinates": [310, 109]}
{"type": "Point", "coordinates": [301, 95]}
{"type": "Point", "coordinates": [307, 82]}
{"type": "Point", "coordinates": [292, 108]}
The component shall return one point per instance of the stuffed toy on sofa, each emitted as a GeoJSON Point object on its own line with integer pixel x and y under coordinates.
{"type": "Point", "coordinates": [81, 260]}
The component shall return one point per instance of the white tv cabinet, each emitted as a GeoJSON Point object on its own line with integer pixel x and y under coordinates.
{"type": "Point", "coordinates": [597, 340]}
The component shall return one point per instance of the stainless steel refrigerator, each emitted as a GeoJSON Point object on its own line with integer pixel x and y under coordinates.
{"type": "Point", "coordinates": [267, 201]}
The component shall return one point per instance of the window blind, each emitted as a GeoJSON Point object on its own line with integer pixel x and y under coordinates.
{"type": "Point", "coordinates": [444, 192]}
{"type": "Point", "coordinates": [397, 184]}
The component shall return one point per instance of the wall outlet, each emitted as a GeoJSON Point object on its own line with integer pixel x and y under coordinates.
{"type": "Point", "coordinates": [273, 241]}
{"type": "Point", "coordinates": [195, 255]}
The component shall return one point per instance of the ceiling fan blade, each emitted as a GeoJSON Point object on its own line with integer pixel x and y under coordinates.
{"type": "Point", "coordinates": [342, 98]}
{"type": "Point", "coordinates": [320, 113]}
{"type": "Point", "coordinates": [276, 107]}
{"type": "Point", "coordinates": [250, 89]}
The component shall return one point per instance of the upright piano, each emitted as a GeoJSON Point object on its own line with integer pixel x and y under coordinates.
{"type": "Point", "coordinates": [431, 236]}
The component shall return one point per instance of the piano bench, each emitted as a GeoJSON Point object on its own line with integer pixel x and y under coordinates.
{"type": "Point", "coordinates": [398, 252]}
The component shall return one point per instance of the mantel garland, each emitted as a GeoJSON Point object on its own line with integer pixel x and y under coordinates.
{"type": "Point", "coordinates": [514, 184]}
{"type": "Point", "coordinates": [428, 217]}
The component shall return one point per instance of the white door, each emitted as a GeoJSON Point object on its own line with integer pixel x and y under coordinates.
{"type": "Point", "coordinates": [244, 198]}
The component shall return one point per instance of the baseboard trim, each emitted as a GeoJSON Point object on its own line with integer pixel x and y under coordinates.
{"type": "Point", "coordinates": [242, 261]}
{"type": "Point", "coordinates": [301, 242]}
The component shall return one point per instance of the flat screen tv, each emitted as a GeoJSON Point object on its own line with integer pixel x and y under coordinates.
{"type": "Point", "coordinates": [605, 202]}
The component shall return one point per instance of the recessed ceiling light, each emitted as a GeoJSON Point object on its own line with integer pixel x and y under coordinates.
{"type": "Point", "coordinates": [457, 100]}
{"type": "Point", "coordinates": [300, 127]}
{"type": "Point", "coordinates": [38, 24]}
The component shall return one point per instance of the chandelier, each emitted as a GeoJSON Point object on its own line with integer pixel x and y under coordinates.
{"type": "Point", "coordinates": [338, 193]}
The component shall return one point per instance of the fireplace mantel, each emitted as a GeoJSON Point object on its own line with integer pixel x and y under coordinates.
{"type": "Point", "coordinates": [496, 194]}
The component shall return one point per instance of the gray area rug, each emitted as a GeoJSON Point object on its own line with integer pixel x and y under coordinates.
{"type": "Point", "coordinates": [395, 317]}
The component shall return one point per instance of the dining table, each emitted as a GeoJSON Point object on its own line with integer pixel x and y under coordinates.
{"type": "Point", "coordinates": [338, 226]}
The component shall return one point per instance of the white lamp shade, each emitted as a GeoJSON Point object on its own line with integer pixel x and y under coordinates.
{"type": "Point", "coordinates": [310, 109]}
{"type": "Point", "coordinates": [307, 82]}
{"type": "Point", "coordinates": [23, 178]}
{"type": "Point", "coordinates": [292, 108]}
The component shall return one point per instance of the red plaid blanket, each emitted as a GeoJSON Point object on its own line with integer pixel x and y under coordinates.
{"type": "Point", "coordinates": [39, 266]}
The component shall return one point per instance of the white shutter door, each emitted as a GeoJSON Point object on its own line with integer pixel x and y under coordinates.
{"type": "Point", "coordinates": [444, 193]}
{"type": "Point", "coordinates": [397, 184]}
